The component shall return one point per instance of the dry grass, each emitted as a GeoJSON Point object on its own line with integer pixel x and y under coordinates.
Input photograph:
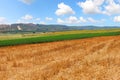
{"type": "Point", "coordinates": [85, 59]}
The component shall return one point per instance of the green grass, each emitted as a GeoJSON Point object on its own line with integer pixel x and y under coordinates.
{"type": "Point", "coordinates": [38, 34]}
{"type": "Point", "coordinates": [49, 38]}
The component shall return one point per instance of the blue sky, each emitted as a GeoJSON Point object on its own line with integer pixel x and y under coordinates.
{"type": "Point", "coordinates": [68, 12]}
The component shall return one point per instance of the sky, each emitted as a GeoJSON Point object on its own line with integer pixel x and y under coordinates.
{"type": "Point", "coordinates": [65, 12]}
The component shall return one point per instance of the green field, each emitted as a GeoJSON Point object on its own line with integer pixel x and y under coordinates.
{"type": "Point", "coordinates": [17, 39]}
{"type": "Point", "coordinates": [39, 34]}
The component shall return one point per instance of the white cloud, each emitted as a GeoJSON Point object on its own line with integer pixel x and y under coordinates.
{"type": "Point", "coordinates": [19, 21]}
{"type": "Point", "coordinates": [38, 19]}
{"type": "Point", "coordinates": [82, 19]}
{"type": "Point", "coordinates": [92, 20]}
{"type": "Point", "coordinates": [3, 20]}
{"type": "Point", "coordinates": [91, 6]}
{"type": "Point", "coordinates": [75, 20]}
{"type": "Point", "coordinates": [89, 19]}
{"type": "Point", "coordinates": [64, 9]}
{"type": "Point", "coordinates": [108, 7]}
{"type": "Point", "coordinates": [22, 21]}
{"type": "Point", "coordinates": [60, 21]}
{"type": "Point", "coordinates": [27, 17]}
{"type": "Point", "coordinates": [112, 7]}
{"type": "Point", "coordinates": [72, 19]}
{"type": "Point", "coordinates": [48, 18]}
{"type": "Point", "coordinates": [27, 1]}
{"type": "Point", "coordinates": [42, 22]}
{"type": "Point", "coordinates": [117, 19]}
{"type": "Point", "coordinates": [69, 20]}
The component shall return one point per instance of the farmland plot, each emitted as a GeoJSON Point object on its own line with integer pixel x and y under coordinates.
{"type": "Point", "coordinates": [83, 59]}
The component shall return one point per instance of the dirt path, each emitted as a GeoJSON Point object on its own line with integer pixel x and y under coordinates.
{"type": "Point", "coordinates": [85, 59]}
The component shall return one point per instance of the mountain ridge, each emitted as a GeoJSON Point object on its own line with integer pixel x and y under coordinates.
{"type": "Point", "coordinates": [30, 27]}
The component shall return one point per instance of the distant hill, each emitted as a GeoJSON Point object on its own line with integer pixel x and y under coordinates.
{"type": "Point", "coordinates": [21, 27]}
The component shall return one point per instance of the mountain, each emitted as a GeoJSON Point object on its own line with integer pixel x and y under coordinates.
{"type": "Point", "coordinates": [30, 27]}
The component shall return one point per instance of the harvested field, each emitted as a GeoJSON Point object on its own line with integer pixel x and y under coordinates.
{"type": "Point", "coordinates": [83, 59]}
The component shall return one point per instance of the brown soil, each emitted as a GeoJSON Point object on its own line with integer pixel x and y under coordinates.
{"type": "Point", "coordinates": [85, 59]}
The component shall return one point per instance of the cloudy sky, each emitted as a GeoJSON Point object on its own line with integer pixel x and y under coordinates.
{"type": "Point", "coordinates": [69, 12]}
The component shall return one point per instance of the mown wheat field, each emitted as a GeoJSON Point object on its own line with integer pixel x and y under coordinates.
{"type": "Point", "coordinates": [83, 59]}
